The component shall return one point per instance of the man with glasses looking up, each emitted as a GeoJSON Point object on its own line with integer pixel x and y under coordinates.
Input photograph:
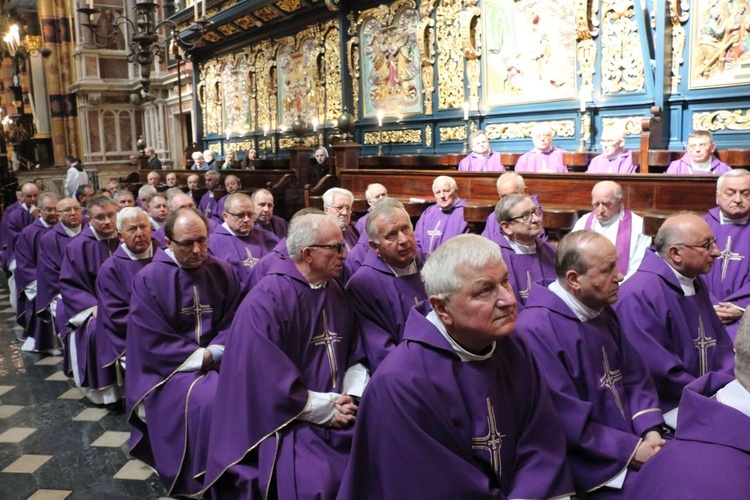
{"type": "Point", "coordinates": [666, 311]}
{"type": "Point", "coordinates": [52, 245]}
{"type": "Point", "coordinates": [290, 374]}
{"type": "Point", "coordinates": [529, 259]}
{"type": "Point", "coordinates": [729, 280]}
{"type": "Point", "coordinates": [182, 303]}
{"type": "Point", "coordinates": [235, 241]}
{"type": "Point", "coordinates": [78, 272]}
{"type": "Point", "coordinates": [619, 225]}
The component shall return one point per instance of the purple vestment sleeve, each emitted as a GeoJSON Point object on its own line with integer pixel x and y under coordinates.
{"type": "Point", "coordinates": [710, 455]}
{"type": "Point", "coordinates": [681, 338]}
{"type": "Point", "coordinates": [474, 163]}
{"type": "Point", "coordinates": [536, 161]}
{"type": "Point", "coordinates": [620, 164]}
{"type": "Point", "coordinates": [423, 422]}
{"type": "Point", "coordinates": [601, 387]}
{"type": "Point", "coordinates": [27, 246]}
{"type": "Point", "coordinates": [276, 225]}
{"type": "Point", "coordinates": [241, 252]}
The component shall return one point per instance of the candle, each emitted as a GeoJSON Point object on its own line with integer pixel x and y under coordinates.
{"type": "Point", "coordinates": [266, 128]}
{"type": "Point", "coordinates": [195, 10]}
{"type": "Point", "coordinates": [229, 132]}
{"type": "Point", "coordinates": [91, 4]}
{"type": "Point", "coordinates": [315, 124]}
{"type": "Point", "coordinates": [203, 8]}
{"type": "Point", "coordinates": [583, 102]}
{"type": "Point", "coordinates": [466, 111]}
{"type": "Point", "coordinates": [380, 117]}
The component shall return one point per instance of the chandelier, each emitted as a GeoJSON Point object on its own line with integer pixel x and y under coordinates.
{"type": "Point", "coordinates": [144, 44]}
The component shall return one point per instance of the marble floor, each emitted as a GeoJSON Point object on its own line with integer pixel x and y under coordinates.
{"type": "Point", "coordinates": [54, 444]}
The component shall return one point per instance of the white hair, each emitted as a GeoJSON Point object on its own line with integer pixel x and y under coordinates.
{"type": "Point", "coordinates": [735, 172]}
{"type": "Point", "coordinates": [384, 209]}
{"type": "Point", "coordinates": [444, 178]}
{"type": "Point", "coordinates": [329, 195]}
{"type": "Point", "coordinates": [127, 214]}
{"type": "Point", "coordinates": [303, 232]}
{"type": "Point", "coordinates": [440, 272]}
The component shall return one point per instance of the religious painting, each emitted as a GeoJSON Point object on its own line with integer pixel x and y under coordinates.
{"type": "Point", "coordinates": [106, 34]}
{"type": "Point", "coordinates": [392, 80]}
{"type": "Point", "coordinates": [720, 43]}
{"type": "Point", "coordinates": [529, 51]}
{"type": "Point", "coordinates": [298, 80]}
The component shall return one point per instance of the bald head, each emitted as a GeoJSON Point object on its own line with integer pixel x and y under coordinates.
{"type": "Point", "coordinates": [509, 183]}
{"type": "Point", "coordinates": [606, 198]}
{"type": "Point", "coordinates": [179, 200]}
{"type": "Point", "coordinates": [29, 194]}
{"type": "Point", "coordinates": [686, 243]}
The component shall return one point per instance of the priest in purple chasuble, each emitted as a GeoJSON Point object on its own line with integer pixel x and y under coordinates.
{"type": "Point", "coordinates": [263, 201]}
{"type": "Point", "coordinates": [544, 156]}
{"type": "Point", "coordinates": [482, 158]}
{"type": "Point", "coordinates": [80, 267]}
{"type": "Point", "coordinates": [232, 183]}
{"type": "Point", "coordinates": [157, 211]}
{"type": "Point", "coordinates": [528, 258]}
{"type": "Point", "coordinates": [442, 221]}
{"type": "Point", "coordinates": [709, 457]}
{"type": "Point", "coordinates": [619, 225]}
{"type": "Point", "coordinates": [667, 313]}
{"type": "Point", "coordinates": [699, 158]}
{"type": "Point", "coordinates": [236, 241]}
{"type": "Point", "coordinates": [182, 305]}
{"type": "Point", "coordinates": [52, 245]}
{"type": "Point", "coordinates": [293, 348]}
{"type": "Point", "coordinates": [459, 408]}
{"type": "Point", "coordinates": [337, 203]}
{"type": "Point", "coordinates": [13, 223]}
{"type": "Point", "coordinates": [600, 384]}
{"type": "Point", "coordinates": [507, 183]}
{"type": "Point", "coordinates": [729, 279]}
{"type": "Point", "coordinates": [113, 293]}
{"type": "Point", "coordinates": [388, 284]}
{"type": "Point", "coordinates": [27, 248]}
{"type": "Point", "coordinates": [374, 193]}
{"type": "Point", "coordinates": [175, 201]}
{"type": "Point", "coordinates": [208, 203]}
{"type": "Point", "coordinates": [615, 158]}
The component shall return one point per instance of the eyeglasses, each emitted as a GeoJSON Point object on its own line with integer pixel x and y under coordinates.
{"type": "Point", "coordinates": [190, 243]}
{"type": "Point", "coordinates": [341, 208]}
{"type": "Point", "coordinates": [244, 215]}
{"type": "Point", "coordinates": [338, 247]}
{"type": "Point", "coordinates": [706, 246]}
{"type": "Point", "coordinates": [526, 217]}
{"type": "Point", "coordinates": [71, 209]}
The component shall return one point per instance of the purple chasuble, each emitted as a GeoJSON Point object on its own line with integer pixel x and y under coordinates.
{"type": "Point", "coordinates": [432, 426]}
{"type": "Point", "coordinates": [599, 383]}
{"type": "Point", "coordinates": [492, 227]}
{"type": "Point", "coordinates": [381, 302]}
{"type": "Point", "coordinates": [436, 226]}
{"type": "Point", "coordinates": [113, 292]}
{"type": "Point", "coordinates": [241, 252]}
{"type": "Point", "coordinates": [52, 245]}
{"type": "Point", "coordinates": [622, 242]}
{"type": "Point", "coordinates": [209, 205]}
{"type": "Point", "coordinates": [729, 279]}
{"type": "Point", "coordinates": [680, 337]}
{"type": "Point", "coordinates": [355, 256]}
{"type": "Point", "coordinates": [27, 246]}
{"type": "Point", "coordinates": [4, 230]}
{"type": "Point", "coordinates": [174, 312]}
{"type": "Point", "coordinates": [286, 339]}
{"type": "Point", "coordinates": [710, 456]}
{"type": "Point", "coordinates": [80, 268]}
{"type": "Point", "coordinates": [476, 163]}
{"type": "Point", "coordinates": [14, 222]}
{"type": "Point", "coordinates": [685, 166]}
{"type": "Point", "coordinates": [527, 269]}
{"type": "Point", "coordinates": [217, 213]}
{"type": "Point", "coordinates": [260, 269]}
{"type": "Point", "coordinates": [620, 164]}
{"type": "Point", "coordinates": [362, 221]}
{"type": "Point", "coordinates": [276, 225]}
{"type": "Point", "coordinates": [536, 161]}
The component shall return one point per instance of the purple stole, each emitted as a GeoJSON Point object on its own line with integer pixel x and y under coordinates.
{"type": "Point", "coordinates": [622, 242]}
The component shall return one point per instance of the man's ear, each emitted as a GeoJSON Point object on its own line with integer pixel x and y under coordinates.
{"type": "Point", "coordinates": [439, 306]}
{"type": "Point", "coordinates": [572, 278]}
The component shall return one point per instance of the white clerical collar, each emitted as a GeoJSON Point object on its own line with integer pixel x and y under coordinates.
{"type": "Point", "coordinates": [45, 224]}
{"type": "Point", "coordinates": [71, 232]}
{"type": "Point", "coordinates": [581, 310]}
{"type": "Point", "coordinates": [403, 271]}
{"type": "Point", "coordinates": [229, 229]}
{"type": "Point", "coordinates": [318, 286]}
{"type": "Point", "coordinates": [687, 284]}
{"type": "Point", "coordinates": [157, 225]}
{"type": "Point", "coordinates": [26, 207]}
{"type": "Point", "coordinates": [462, 353]}
{"type": "Point", "coordinates": [703, 166]}
{"type": "Point", "coordinates": [613, 220]}
{"type": "Point", "coordinates": [522, 249]}
{"type": "Point", "coordinates": [146, 254]}
{"type": "Point", "coordinates": [735, 396]}
{"type": "Point", "coordinates": [726, 220]}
